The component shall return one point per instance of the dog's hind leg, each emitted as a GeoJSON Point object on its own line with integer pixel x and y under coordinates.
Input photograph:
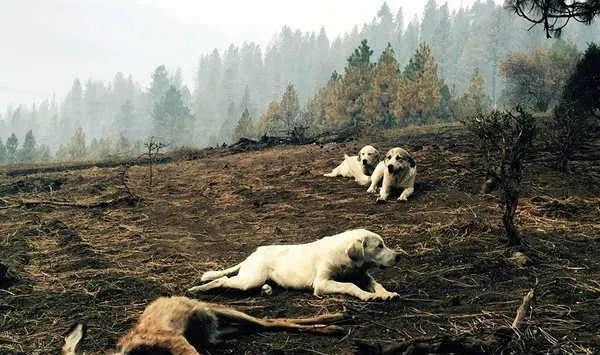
{"type": "Point", "coordinates": [209, 286]}
{"type": "Point", "coordinates": [362, 179]}
{"type": "Point", "coordinates": [249, 276]}
{"type": "Point", "coordinates": [335, 172]}
{"type": "Point", "coordinates": [213, 275]}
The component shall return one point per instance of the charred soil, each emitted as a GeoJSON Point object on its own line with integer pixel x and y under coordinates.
{"type": "Point", "coordinates": [99, 244]}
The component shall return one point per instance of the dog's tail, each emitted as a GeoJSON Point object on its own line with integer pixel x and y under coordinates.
{"type": "Point", "coordinates": [213, 275]}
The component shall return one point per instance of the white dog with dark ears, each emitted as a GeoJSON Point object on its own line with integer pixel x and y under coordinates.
{"type": "Point", "coordinates": [398, 171]}
{"type": "Point", "coordinates": [360, 166]}
{"type": "Point", "coordinates": [320, 266]}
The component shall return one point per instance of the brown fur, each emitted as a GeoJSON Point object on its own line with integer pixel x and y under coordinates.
{"type": "Point", "coordinates": [180, 326]}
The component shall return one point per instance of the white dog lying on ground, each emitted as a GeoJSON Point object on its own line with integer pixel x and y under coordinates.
{"type": "Point", "coordinates": [320, 265]}
{"type": "Point", "coordinates": [398, 170]}
{"type": "Point", "coordinates": [360, 166]}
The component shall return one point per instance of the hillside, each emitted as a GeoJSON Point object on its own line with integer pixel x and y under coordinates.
{"type": "Point", "coordinates": [102, 265]}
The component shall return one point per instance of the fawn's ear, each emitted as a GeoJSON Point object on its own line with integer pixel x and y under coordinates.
{"type": "Point", "coordinates": [73, 337]}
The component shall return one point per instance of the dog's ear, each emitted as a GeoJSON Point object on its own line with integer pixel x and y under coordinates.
{"type": "Point", "coordinates": [411, 161]}
{"type": "Point", "coordinates": [72, 338]}
{"type": "Point", "coordinates": [356, 250]}
{"type": "Point", "coordinates": [358, 157]}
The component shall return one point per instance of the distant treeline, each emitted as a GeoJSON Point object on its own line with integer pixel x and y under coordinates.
{"type": "Point", "coordinates": [244, 85]}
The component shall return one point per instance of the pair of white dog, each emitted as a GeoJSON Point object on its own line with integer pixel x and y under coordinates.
{"type": "Point", "coordinates": [398, 171]}
{"type": "Point", "coordinates": [327, 264]}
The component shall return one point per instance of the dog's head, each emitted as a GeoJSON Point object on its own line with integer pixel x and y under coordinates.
{"type": "Point", "coordinates": [398, 159]}
{"type": "Point", "coordinates": [368, 157]}
{"type": "Point", "coordinates": [368, 249]}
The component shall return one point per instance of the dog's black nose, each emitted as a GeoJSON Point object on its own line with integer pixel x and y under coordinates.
{"type": "Point", "coordinates": [391, 168]}
{"type": "Point", "coordinates": [364, 161]}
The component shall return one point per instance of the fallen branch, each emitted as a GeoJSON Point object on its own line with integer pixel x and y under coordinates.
{"type": "Point", "coordinates": [454, 344]}
{"type": "Point", "coordinates": [522, 310]}
{"type": "Point", "coordinates": [129, 199]}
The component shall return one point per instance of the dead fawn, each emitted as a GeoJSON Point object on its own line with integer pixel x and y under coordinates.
{"type": "Point", "coordinates": [183, 326]}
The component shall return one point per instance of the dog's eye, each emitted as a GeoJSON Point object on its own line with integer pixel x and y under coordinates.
{"type": "Point", "coordinates": [388, 157]}
{"type": "Point", "coordinates": [397, 158]}
{"type": "Point", "coordinates": [380, 246]}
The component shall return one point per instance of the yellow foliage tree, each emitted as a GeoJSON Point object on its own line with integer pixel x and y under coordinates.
{"type": "Point", "coordinates": [474, 99]}
{"type": "Point", "coordinates": [244, 127]}
{"type": "Point", "coordinates": [378, 102]}
{"type": "Point", "coordinates": [77, 149]}
{"type": "Point", "coordinates": [271, 122]}
{"type": "Point", "coordinates": [418, 96]}
{"type": "Point", "coordinates": [348, 93]}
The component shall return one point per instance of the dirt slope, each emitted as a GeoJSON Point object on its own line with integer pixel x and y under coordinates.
{"type": "Point", "coordinates": [103, 265]}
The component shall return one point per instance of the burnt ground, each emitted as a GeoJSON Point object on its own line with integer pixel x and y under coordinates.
{"type": "Point", "coordinates": [101, 265]}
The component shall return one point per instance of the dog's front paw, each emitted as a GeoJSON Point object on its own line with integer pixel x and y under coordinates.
{"type": "Point", "coordinates": [381, 199]}
{"type": "Point", "coordinates": [389, 296]}
{"type": "Point", "coordinates": [193, 290]}
{"type": "Point", "coordinates": [370, 297]}
{"type": "Point", "coordinates": [371, 189]}
{"type": "Point", "coordinates": [402, 198]}
{"type": "Point", "coordinates": [364, 181]}
{"type": "Point", "coordinates": [329, 175]}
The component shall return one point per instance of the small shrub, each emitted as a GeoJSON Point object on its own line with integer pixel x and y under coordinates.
{"type": "Point", "coordinates": [506, 141]}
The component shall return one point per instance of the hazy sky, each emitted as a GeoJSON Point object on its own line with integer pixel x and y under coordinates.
{"type": "Point", "coordinates": [47, 43]}
{"type": "Point", "coordinates": [260, 19]}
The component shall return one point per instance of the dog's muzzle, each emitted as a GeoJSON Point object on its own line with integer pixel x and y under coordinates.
{"type": "Point", "coordinates": [390, 169]}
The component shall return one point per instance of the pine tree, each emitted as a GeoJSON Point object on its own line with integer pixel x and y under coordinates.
{"type": "Point", "coordinates": [271, 122]}
{"type": "Point", "coordinates": [158, 88]}
{"type": "Point", "coordinates": [228, 125]}
{"type": "Point", "coordinates": [290, 108]}
{"type": "Point", "coordinates": [72, 112]}
{"type": "Point", "coordinates": [316, 110]}
{"type": "Point", "coordinates": [44, 153]}
{"type": "Point", "coordinates": [170, 117]}
{"type": "Point", "coordinates": [77, 149]}
{"type": "Point", "coordinates": [27, 153]}
{"type": "Point", "coordinates": [575, 120]}
{"type": "Point", "coordinates": [94, 149]}
{"type": "Point", "coordinates": [62, 153]}
{"type": "Point", "coordinates": [379, 100]}
{"type": "Point", "coordinates": [419, 90]}
{"type": "Point", "coordinates": [244, 127]}
{"type": "Point", "coordinates": [348, 95]}
{"type": "Point", "coordinates": [12, 143]}
{"type": "Point", "coordinates": [160, 83]}
{"type": "Point", "coordinates": [474, 99]}
{"type": "Point", "coordinates": [125, 119]}
{"type": "Point", "coordinates": [431, 18]}
{"type": "Point", "coordinates": [383, 28]}
{"type": "Point", "coordinates": [361, 57]}
{"type": "Point", "coordinates": [3, 157]}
